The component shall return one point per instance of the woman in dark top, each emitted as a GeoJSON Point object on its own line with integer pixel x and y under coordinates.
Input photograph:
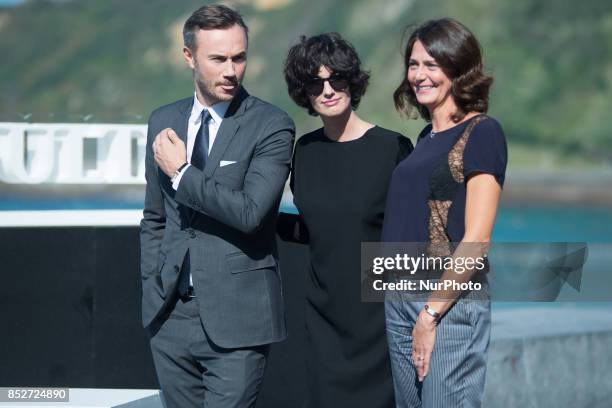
{"type": "Point", "coordinates": [339, 181]}
{"type": "Point", "coordinates": [447, 191]}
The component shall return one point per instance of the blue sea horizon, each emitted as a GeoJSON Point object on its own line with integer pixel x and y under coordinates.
{"type": "Point", "coordinates": [514, 223]}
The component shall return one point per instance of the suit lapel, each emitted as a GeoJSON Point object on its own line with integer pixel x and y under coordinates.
{"type": "Point", "coordinates": [228, 129]}
{"type": "Point", "coordinates": [181, 121]}
{"type": "Point", "coordinates": [180, 125]}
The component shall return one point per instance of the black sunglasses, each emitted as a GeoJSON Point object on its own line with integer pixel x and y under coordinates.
{"type": "Point", "coordinates": [315, 86]}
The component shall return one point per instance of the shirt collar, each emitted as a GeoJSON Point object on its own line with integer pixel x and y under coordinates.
{"type": "Point", "coordinates": [217, 111]}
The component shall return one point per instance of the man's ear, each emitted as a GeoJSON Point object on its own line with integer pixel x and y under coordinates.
{"type": "Point", "coordinates": [188, 57]}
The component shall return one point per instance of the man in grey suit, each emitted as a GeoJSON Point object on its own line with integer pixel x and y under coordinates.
{"type": "Point", "coordinates": [216, 165]}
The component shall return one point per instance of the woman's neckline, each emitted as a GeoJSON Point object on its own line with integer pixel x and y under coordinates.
{"type": "Point", "coordinates": [433, 134]}
{"type": "Point", "coordinates": [346, 141]}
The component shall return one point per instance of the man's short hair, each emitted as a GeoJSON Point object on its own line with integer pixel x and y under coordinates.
{"type": "Point", "coordinates": [211, 17]}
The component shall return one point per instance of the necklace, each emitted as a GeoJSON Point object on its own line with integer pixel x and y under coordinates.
{"type": "Point", "coordinates": [433, 134]}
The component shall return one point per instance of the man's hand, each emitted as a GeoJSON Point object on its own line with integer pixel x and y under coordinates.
{"type": "Point", "coordinates": [169, 150]}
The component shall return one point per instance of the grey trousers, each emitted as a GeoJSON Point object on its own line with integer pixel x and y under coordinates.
{"type": "Point", "coordinates": [457, 369]}
{"type": "Point", "coordinates": [194, 372]}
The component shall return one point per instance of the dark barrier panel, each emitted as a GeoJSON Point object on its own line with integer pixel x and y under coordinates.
{"type": "Point", "coordinates": [70, 313]}
{"type": "Point", "coordinates": [285, 380]}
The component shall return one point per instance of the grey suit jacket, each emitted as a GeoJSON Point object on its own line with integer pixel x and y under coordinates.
{"type": "Point", "coordinates": [224, 218]}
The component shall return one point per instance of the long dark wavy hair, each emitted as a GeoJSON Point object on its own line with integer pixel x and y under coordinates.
{"type": "Point", "coordinates": [458, 53]}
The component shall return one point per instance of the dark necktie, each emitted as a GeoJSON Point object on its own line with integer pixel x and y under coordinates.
{"type": "Point", "coordinates": [200, 147]}
{"type": "Point", "coordinates": [198, 159]}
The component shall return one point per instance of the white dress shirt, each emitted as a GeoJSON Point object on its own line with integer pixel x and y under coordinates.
{"type": "Point", "coordinates": [217, 112]}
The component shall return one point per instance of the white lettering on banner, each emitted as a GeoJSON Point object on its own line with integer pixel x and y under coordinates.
{"type": "Point", "coordinates": [32, 153]}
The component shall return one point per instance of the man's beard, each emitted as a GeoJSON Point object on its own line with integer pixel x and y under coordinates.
{"type": "Point", "coordinates": [207, 90]}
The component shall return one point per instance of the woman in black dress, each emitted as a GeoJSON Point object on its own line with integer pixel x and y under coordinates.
{"type": "Point", "coordinates": [438, 342]}
{"type": "Point", "coordinates": [339, 182]}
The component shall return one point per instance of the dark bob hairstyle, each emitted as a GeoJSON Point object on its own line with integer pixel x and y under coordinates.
{"type": "Point", "coordinates": [458, 53]}
{"type": "Point", "coordinates": [332, 51]}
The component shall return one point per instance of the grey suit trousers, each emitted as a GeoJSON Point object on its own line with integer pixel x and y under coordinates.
{"type": "Point", "coordinates": [192, 370]}
{"type": "Point", "coordinates": [457, 369]}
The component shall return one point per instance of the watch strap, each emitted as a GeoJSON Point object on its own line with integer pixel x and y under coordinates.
{"type": "Point", "coordinates": [432, 312]}
{"type": "Point", "coordinates": [178, 171]}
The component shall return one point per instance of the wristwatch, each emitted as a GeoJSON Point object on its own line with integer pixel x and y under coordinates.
{"type": "Point", "coordinates": [432, 313]}
{"type": "Point", "coordinates": [178, 171]}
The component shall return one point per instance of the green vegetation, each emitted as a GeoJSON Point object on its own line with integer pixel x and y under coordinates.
{"type": "Point", "coordinates": [118, 60]}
